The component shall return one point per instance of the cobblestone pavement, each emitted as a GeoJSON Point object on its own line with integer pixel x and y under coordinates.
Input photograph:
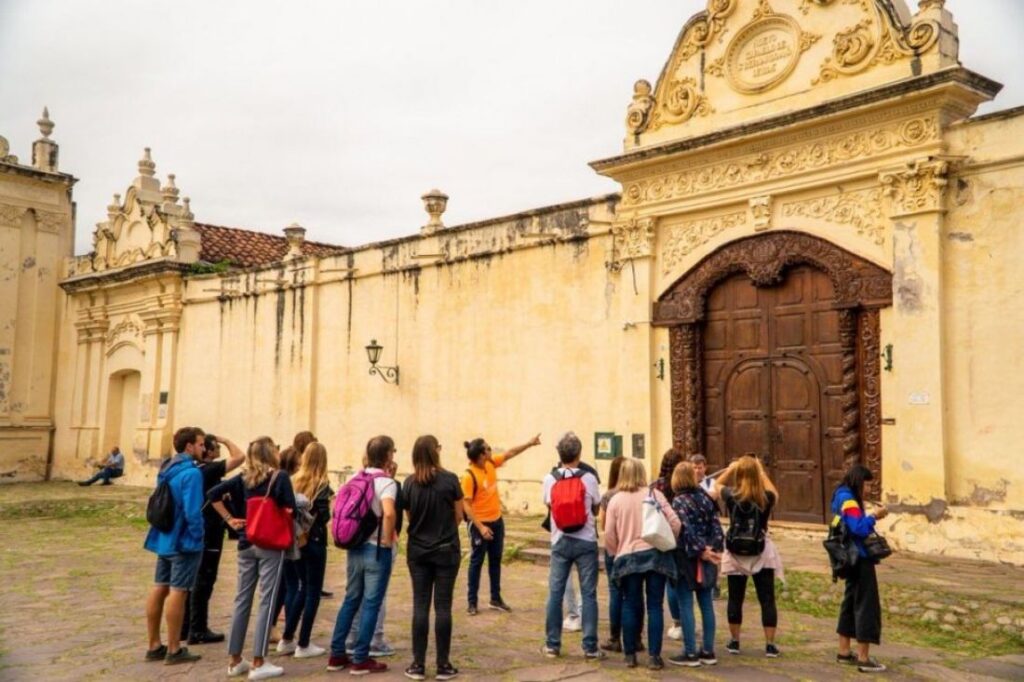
{"type": "Point", "coordinates": [75, 577]}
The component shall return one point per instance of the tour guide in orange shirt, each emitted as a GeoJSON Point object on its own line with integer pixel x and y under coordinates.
{"type": "Point", "coordinates": [486, 528]}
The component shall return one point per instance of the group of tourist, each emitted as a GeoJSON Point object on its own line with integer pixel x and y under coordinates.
{"type": "Point", "coordinates": [660, 537]}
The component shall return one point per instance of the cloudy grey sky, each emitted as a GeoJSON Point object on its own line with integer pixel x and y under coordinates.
{"type": "Point", "coordinates": [340, 114]}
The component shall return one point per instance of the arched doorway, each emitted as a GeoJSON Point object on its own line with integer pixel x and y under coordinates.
{"type": "Point", "coordinates": [122, 414]}
{"type": "Point", "coordinates": [774, 350]}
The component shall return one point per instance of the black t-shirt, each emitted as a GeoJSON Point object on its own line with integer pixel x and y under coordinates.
{"type": "Point", "coordinates": [234, 494]}
{"type": "Point", "coordinates": [213, 473]}
{"type": "Point", "coordinates": [432, 527]}
{"type": "Point", "coordinates": [729, 497]}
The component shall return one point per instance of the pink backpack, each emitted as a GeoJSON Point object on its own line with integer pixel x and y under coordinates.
{"type": "Point", "coordinates": [354, 520]}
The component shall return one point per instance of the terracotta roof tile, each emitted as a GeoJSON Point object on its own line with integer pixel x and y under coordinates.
{"type": "Point", "coordinates": [248, 248]}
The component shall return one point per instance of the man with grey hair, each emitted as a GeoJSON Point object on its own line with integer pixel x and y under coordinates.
{"type": "Point", "coordinates": [573, 496]}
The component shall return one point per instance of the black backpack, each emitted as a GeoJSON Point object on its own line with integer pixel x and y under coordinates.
{"type": "Point", "coordinates": [841, 549]}
{"type": "Point", "coordinates": [160, 508]}
{"type": "Point", "coordinates": [746, 536]}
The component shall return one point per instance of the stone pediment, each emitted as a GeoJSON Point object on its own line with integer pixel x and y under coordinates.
{"type": "Point", "coordinates": [149, 224]}
{"type": "Point", "coordinates": [744, 60]}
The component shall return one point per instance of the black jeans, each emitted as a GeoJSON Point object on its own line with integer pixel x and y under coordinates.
{"type": "Point", "coordinates": [306, 600]}
{"type": "Point", "coordinates": [764, 584]}
{"type": "Point", "coordinates": [289, 586]}
{"type": "Point", "coordinates": [860, 616]}
{"type": "Point", "coordinates": [197, 606]}
{"type": "Point", "coordinates": [433, 579]}
{"type": "Point", "coordinates": [493, 550]}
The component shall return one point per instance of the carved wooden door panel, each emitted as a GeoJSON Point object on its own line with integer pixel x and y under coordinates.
{"type": "Point", "coordinates": [773, 383]}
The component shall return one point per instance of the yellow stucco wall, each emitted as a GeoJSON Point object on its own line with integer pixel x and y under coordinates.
{"type": "Point", "coordinates": [541, 322]}
{"type": "Point", "coordinates": [36, 234]}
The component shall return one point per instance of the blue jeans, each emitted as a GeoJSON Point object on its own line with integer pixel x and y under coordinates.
{"type": "Point", "coordinates": [305, 602]}
{"type": "Point", "coordinates": [614, 600]}
{"type": "Point", "coordinates": [378, 630]}
{"type": "Point", "coordinates": [368, 574]}
{"type": "Point", "coordinates": [106, 473]}
{"type": "Point", "coordinates": [707, 617]}
{"type": "Point", "coordinates": [635, 587]}
{"type": "Point", "coordinates": [564, 554]}
{"type": "Point", "coordinates": [492, 549]}
{"type": "Point", "coordinates": [673, 604]}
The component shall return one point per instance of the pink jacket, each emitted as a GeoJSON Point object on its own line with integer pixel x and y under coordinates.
{"type": "Point", "coordinates": [624, 521]}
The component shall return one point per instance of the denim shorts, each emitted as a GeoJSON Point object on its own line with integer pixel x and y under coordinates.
{"type": "Point", "coordinates": [178, 570]}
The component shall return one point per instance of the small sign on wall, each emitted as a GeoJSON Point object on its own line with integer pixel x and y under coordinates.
{"type": "Point", "coordinates": [607, 445]}
{"type": "Point", "coordinates": [920, 398]}
{"type": "Point", "coordinates": [161, 410]}
{"type": "Point", "coordinates": [639, 446]}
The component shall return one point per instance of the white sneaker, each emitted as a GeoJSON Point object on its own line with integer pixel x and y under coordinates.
{"type": "Point", "coordinates": [240, 669]}
{"type": "Point", "coordinates": [266, 671]}
{"type": "Point", "coordinates": [572, 624]}
{"type": "Point", "coordinates": [675, 632]}
{"type": "Point", "coordinates": [309, 651]}
{"type": "Point", "coordinates": [286, 647]}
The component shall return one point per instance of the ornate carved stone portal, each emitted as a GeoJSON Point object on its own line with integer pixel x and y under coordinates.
{"type": "Point", "coordinates": [788, 312]}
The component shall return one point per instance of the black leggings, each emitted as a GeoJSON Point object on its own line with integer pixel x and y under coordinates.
{"type": "Point", "coordinates": [860, 616]}
{"type": "Point", "coordinates": [433, 579]}
{"type": "Point", "coordinates": [764, 584]}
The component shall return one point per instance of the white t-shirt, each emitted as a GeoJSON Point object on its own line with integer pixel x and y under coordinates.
{"type": "Point", "coordinates": [593, 496]}
{"type": "Point", "coordinates": [708, 484]}
{"type": "Point", "coordinates": [384, 488]}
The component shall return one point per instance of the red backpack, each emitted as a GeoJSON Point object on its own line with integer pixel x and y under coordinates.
{"type": "Point", "coordinates": [569, 502]}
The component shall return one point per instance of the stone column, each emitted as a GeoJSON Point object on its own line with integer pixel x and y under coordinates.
{"type": "Point", "coordinates": [915, 462]}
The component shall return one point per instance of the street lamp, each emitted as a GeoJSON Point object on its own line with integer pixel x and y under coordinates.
{"type": "Point", "coordinates": [388, 374]}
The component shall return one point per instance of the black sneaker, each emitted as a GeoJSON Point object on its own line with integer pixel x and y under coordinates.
{"type": "Point", "coordinates": [416, 671]}
{"type": "Point", "coordinates": [472, 610]}
{"type": "Point", "coordinates": [596, 655]}
{"type": "Point", "coordinates": [500, 605]}
{"type": "Point", "coordinates": [733, 647]}
{"type": "Point", "coordinates": [870, 666]}
{"type": "Point", "coordinates": [157, 654]}
{"type": "Point", "coordinates": [848, 659]}
{"type": "Point", "coordinates": [324, 594]}
{"type": "Point", "coordinates": [708, 658]}
{"type": "Point", "coordinates": [208, 637]}
{"type": "Point", "coordinates": [685, 660]}
{"type": "Point", "coordinates": [181, 656]}
{"type": "Point", "coordinates": [630, 660]}
{"type": "Point", "coordinates": [613, 645]}
{"type": "Point", "coordinates": [655, 663]}
{"type": "Point", "coordinates": [446, 672]}
{"type": "Point", "coordinates": [772, 651]}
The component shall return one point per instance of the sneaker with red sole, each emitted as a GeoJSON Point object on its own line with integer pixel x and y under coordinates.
{"type": "Point", "coordinates": [336, 663]}
{"type": "Point", "coordinates": [368, 666]}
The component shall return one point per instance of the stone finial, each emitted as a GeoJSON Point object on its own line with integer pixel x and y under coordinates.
{"type": "Point", "coordinates": [931, 4]}
{"type": "Point", "coordinates": [434, 202]}
{"type": "Point", "coordinates": [45, 150]}
{"type": "Point", "coordinates": [187, 209]}
{"type": "Point", "coordinates": [114, 207]}
{"type": "Point", "coordinates": [296, 236]}
{"type": "Point", "coordinates": [639, 111]}
{"type": "Point", "coordinates": [147, 167]}
{"type": "Point", "coordinates": [45, 124]}
{"type": "Point", "coordinates": [170, 191]}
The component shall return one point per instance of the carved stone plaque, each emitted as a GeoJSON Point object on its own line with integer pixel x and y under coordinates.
{"type": "Point", "coordinates": [763, 54]}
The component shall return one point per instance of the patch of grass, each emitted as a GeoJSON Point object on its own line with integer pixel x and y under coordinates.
{"type": "Point", "coordinates": [88, 511]}
{"type": "Point", "coordinates": [512, 553]}
{"type": "Point", "coordinates": [815, 595]}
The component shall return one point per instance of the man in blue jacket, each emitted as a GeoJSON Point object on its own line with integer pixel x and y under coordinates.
{"type": "Point", "coordinates": [179, 551]}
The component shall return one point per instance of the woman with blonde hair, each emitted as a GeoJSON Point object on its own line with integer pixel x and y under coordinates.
{"type": "Point", "coordinates": [256, 565]}
{"type": "Point", "coordinates": [749, 498]}
{"type": "Point", "coordinates": [640, 569]}
{"type": "Point", "coordinates": [311, 482]}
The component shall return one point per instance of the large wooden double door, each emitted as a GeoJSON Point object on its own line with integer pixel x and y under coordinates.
{"type": "Point", "coordinates": [773, 383]}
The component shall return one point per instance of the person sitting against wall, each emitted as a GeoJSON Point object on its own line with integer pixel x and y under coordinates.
{"type": "Point", "coordinates": [112, 467]}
